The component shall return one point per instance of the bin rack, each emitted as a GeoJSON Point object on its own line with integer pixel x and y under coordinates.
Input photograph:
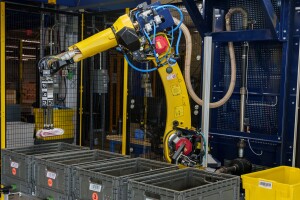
{"type": "Point", "coordinates": [53, 173]}
{"type": "Point", "coordinates": [109, 181]}
{"type": "Point", "coordinates": [17, 163]}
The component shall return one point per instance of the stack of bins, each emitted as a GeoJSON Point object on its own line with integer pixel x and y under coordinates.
{"type": "Point", "coordinates": [109, 181]}
{"type": "Point", "coordinates": [188, 183]}
{"type": "Point", "coordinates": [17, 163]}
{"type": "Point", "coordinates": [53, 174]}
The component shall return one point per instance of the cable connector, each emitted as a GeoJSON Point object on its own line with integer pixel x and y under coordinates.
{"type": "Point", "coordinates": [68, 55]}
{"type": "Point", "coordinates": [172, 61]}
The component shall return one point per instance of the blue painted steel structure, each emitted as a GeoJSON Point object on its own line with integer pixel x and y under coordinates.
{"type": "Point", "coordinates": [272, 78]}
{"type": "Point", "coordinates": [100, 5]}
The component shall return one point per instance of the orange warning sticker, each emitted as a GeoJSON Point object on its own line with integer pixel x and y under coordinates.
{"type": "Point", "coordinates": [50, 182]}
{"type": "Point", "coordinates": [95, 196]}
{"type": "Point", "coordinates": [14, 171]}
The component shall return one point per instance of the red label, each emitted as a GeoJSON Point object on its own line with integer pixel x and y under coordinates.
{"type": "Point", "coordinates": [14, 171]}
{"type": "Point", "coordinates": [95, 196]}
{"type": "Point", "coordinates": [50, 182]}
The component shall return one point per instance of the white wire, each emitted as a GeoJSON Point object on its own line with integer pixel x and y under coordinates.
{"type": "Point", "coordinates": [258, 154]}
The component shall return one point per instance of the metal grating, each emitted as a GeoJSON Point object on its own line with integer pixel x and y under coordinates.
{"type": "Point", "coordinates": [262, 118]}
{"type": "Point", "coordinates": [264, 75]}
{"type": "Point", "coordinates": [264, 69]}
{"type": "Point", "coordinates": [255, 12]}
{"type": "Point", "coordinates": [25, 42]}
{"type": "Point", "coordinates": [263, 78]}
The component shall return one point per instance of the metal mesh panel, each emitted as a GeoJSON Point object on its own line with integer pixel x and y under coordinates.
{"type": "Point", "coordinates": [262, 117]}
{"type": "Point", "coordinates": [255, 12]}
{"type": "Point", "coordinates": [264, 66]}
{"type": "Point", "coordinates": [26, 43]}
{"type": "Point", "coordinates": [106, 101]}
{"type": "Point", "coordinates": [263, 77]}
{"type": "Point", "coordinates": [264, 72]}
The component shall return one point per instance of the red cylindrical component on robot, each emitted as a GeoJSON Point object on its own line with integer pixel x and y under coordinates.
{"type": "Point", "coordinates": [161, 44]}
{"type": "Point", "coordinates": [188, 146]}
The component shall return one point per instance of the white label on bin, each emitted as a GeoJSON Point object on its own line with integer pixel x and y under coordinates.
{"type": "Point", "coordinates": [265, 184]}
{"type": "Point", "coordinates": [14, 165]}
{"type": "Point", "coordinates": [51, 175]}
{"type": "Point", "coordinates": [95, 187]}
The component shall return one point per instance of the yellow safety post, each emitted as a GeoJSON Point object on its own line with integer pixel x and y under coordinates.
{"type": "Point", "coordinates": [2, 63]}
{"type": "Point", "coordinates": [81, 87]}
{"type": "Point", "coordinates": [2, 81]}
{"type": "Point", "coordinates": [20, 68]}
{"type": "Point", "coordinates": [125, 93]}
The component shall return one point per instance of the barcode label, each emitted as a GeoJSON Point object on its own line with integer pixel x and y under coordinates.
{"type": "Point", "coordinates": [265, 184]}
{"type": "Point", "coordinates": [51, 175]}
{"type": "Point", "coordinates": [95, 187]}
{"type": "Point", "coordinates": [14, 165]}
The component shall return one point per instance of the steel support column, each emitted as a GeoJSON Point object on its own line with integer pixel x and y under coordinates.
{"type": "Point", "coordinates": [206, 92]}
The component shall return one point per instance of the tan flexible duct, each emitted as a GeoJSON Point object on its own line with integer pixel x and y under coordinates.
{"type": "Point", "coordinates": [187, 67]}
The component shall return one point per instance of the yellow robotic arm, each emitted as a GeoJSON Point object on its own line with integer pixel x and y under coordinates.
{"type": "Point", "coordinates": [101, 41]}
{"type": "Point", "coordinates": [144, 36]}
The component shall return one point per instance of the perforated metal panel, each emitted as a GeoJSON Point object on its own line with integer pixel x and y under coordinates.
{"type": "Point", "coordinates": [255, 12]}
{"type": "Point", "coordinates": [263, 77]}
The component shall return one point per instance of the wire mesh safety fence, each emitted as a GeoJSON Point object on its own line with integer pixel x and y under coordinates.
{"type": "Point", "coordinates": [31, 34]}
{"type": "Point", "coordinates": [102, 100]}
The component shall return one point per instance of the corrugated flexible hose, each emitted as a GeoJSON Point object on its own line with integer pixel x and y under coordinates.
{"type": "Point", "coordinates": [187, 67]}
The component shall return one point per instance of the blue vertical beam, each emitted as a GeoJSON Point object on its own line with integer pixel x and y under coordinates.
{"type": "Point", "coordinates": [270, 16]}
{"type": "Point", "coordinates": [196, 17]}
{"type": "Point", "coordinates": [208, 8]}
{"type": "Point", "coordinates": [297, 20]}
{"type": "Point", "coordinates": [288, 81]}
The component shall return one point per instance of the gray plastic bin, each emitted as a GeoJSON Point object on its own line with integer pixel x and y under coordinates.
{"type": "Point", "coordinates": [53, 172]}
{"type": "Point", "coordinates": [109, 181]}
{"type": "Point", "coordinates": [189, 183]}
{"type": "Point", "coordinates": [17, 163]}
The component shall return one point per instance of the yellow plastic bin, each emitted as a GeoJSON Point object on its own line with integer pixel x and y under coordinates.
{"type": "Point", "coordinates": [62, 118]}
{"type": "Point", "coordinates": [279, 183]}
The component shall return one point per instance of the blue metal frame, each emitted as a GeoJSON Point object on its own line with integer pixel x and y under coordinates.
{"type": "Point", "coordinates": [239, 36]}
{"type": "Point", "coordinates": [291, 42]}
{"type": "Point", "coordinates": [277, 147]}
{"type": "Point", "coordinates": [271, 18]}
{"type": "Point", "coordinates": [196, 17]}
